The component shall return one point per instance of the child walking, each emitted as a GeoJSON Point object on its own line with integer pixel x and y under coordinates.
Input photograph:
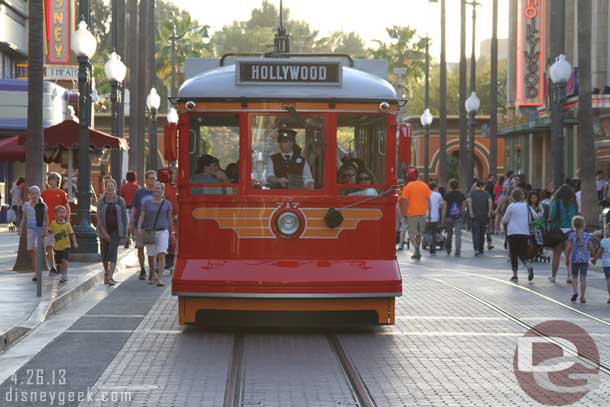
{"type": "Point", "coordinates": [29, 226]}
{"type": "Point", "coordinates": [604, 253]}
{"type": "Point", "coordinates": [580, 250]}
{"type": "Point", "coordinates": [64, 240]}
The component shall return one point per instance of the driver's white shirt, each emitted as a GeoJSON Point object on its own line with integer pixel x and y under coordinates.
{"type": "Point", "coordinates": [307, 177]}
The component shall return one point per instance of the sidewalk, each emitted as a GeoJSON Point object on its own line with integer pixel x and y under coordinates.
{"type": "Point", "coordinates": [20, 309]}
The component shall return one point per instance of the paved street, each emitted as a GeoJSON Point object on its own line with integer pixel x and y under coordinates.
{"type": "Point", "coordinates": [457, 328]}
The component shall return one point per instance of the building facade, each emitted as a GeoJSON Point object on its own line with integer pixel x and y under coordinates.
{"type": "Point", "coordinates": [481, 153]}
{"type": "Point", "coordinates": [526, 124]}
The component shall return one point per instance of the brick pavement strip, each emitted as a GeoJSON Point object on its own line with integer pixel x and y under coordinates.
{"type": "Point", "coordinates": [22, 311]}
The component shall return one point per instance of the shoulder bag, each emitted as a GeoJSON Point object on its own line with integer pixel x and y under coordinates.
{"type": "Point", "coordinates": [150, 236]}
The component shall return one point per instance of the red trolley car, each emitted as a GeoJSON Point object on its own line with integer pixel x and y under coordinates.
{"type": "Point", "coordinates": [276, 211]}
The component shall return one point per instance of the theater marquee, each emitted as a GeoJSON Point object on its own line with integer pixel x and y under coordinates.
{"type": "Point", "coordinates": [530, 53]}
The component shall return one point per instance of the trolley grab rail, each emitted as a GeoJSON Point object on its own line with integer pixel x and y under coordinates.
{"type": "Point", "coordinates": [282, 55]}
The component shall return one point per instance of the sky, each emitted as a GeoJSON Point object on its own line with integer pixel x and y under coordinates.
{"type": "Point", "coordinates": [366, 17]}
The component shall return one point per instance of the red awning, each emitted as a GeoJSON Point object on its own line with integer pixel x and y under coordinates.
{"type": "Point", "coordinates": [11, 150]}
{"type": "Point", "coordinates": [66, 135]}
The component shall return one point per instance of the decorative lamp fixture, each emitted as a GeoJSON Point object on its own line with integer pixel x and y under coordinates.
{"type": "Point", "coordinates": [206, 36]}
{"type": "Point", "coordinates": [83, 42]}
{"type": "Point", "coordinates": [394, 39]}
{"type": "Point", "coordinates": [153, 100]}
{"type": "Point", "coordinates": [426, 118]}
{"type": "Point", "coordinates": [114, 68]}
{"type": "Point", "coordinates": [560, 70]}
{"type": "Point", "coordinates": [473, 103]}
{"type": "Point", "coordinates": [172, 116]}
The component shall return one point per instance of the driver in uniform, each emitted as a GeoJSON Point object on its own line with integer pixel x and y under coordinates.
{"type": "Point", "coordinates": [288, 169]}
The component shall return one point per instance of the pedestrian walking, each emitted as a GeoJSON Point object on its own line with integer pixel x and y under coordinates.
{"type": "Point", "coordinates": [499, 205]}
{"type": "Point", "coordinates": [17, 193]}
{"type": "Point", "coordinates": [451, 220]}
{"type": "Point", "coordinates": [30, 228]}
{"type": "Point", "coordinates": [604, 253]}
{"type": "Point", "coordinates": [563, 210]}
{"type": "Point", "coordinates": [54, 196]}
{"type": "Point", "coordinates": [111, 228]}
{"type": "Point", "coordinates": [600, 185]}
{"type": "Point", "coordinates": [433, 226]}
{"type": "Point", "coordinates": [517, 221]}
{"type": "Point", "coordinates": [171, 194]}
{"type": "Point", "coordinates": [156, 220]}
{"type": "Point", "coordinates": [479, 207]}
{"type": "Point", "coordinates": [580, 250]}
{"type": "Point", "coordinates": [64, 240]}
{"type": "Point", "coordinates": [143, 194]}
{"type": "Point", "coordinates": [127, 192]}
{"type": "Point", "coordinates": [416, 199]}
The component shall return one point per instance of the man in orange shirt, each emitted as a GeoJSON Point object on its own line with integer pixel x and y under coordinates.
{"type": "Point", "coordinates": [53, 196]}
{"type": "Point", "coordinates": [416, 200]}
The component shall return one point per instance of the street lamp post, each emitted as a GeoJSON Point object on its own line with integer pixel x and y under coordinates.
{"type": "Point", "coordinates": [205, 38]}
{"type": "Point", "coordinates": [473, 86]}
{"type": "Point", "coordinates": [472, 105]}
{"type": "Point", "coordinates": [426, 120]}
{"type": "Point", "coordinates": [115, 71]}
{"type": "Point", "coordinates": [84, 46]}
{"type": "Point", "coordinates": [153, 101]}
{"type": "Point", "coordinates": [560, 73]}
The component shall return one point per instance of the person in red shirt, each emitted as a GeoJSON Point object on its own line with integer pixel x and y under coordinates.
{"type": "Point", "coordinates": [171, 194]}
{"type": "Point", "coordinates": [53, 196]}
{"type": "Point", "coordinates": [128, 190]}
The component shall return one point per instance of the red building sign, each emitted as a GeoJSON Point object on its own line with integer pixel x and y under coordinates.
{"type": "Point", "coordinates": [530, 53]}
{"type": "Point", "coordinates": [59, 24]}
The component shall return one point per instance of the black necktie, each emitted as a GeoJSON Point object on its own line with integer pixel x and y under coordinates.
{"type": "Point", "coordinates": [287, 157]}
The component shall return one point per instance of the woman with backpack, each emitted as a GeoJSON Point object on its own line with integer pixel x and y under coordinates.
{"type": "Point", "coordinates": [451, 216]}
{"type": "Point", "coordinates": [563, 209]}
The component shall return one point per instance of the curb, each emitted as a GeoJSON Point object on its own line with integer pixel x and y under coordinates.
{"type": "Point", "coordinates": [46, 309]}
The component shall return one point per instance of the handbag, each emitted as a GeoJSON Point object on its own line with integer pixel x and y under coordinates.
{"type": "Point", "coordinates": [555, 235]}
{"type": "Point", "coordinates": [150, 236]}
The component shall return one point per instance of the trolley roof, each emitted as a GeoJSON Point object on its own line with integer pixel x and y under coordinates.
{"type": "Point", "coordinates": [224, 83]}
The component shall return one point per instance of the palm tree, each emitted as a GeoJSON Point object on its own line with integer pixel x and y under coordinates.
{"type": "Point", "coordinates": [585, 113]}
{"type": "Point", "coordinates": [34, 142]}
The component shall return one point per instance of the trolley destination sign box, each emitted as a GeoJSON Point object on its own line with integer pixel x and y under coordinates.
{"type": "Point", "coordinates": [288, 72]}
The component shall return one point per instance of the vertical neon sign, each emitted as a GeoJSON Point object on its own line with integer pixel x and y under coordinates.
{"type": "Point", "coordinates": [530, 53]}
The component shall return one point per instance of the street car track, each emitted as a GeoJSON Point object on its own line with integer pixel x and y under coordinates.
{"type": "Point", "coordinates": [234, 394]}
{"type": "Point", "coordinates": [547, 298]}
{"type": "Point", "coordinates": [587, 359]}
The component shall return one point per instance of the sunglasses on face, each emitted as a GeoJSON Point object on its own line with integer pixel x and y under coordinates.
{"type": "Point", "coordinates": [349, 175]}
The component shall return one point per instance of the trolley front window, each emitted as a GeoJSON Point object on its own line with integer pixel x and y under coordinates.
{"type": "Point", "coordinates": [361, 154]}
{"type": "Point", "coordinates": [214, 154]}
{"type": "Point", "coordinates": [287, 152]}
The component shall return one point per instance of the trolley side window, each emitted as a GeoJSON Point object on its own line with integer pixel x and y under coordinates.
{"type": "Point", "coordinates": [287, 152]}
{"type": "Point", "coordinates": [361, 154]}
{"type": "Point", "coordinates": [214, 154]}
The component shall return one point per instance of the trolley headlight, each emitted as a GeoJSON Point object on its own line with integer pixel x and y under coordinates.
{"type": "Point", "coordinates": [288, 223]}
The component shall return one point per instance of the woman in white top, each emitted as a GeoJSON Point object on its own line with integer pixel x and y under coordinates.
{"type": "Point", "coordinates": [517, 222]}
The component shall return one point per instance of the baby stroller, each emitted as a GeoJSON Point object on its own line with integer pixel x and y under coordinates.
{"type": "Point", "coordinates": [536, 250]}
{"type": "Point", "coordinates": [433, 237]}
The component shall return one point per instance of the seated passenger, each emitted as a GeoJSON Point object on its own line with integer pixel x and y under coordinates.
{"type": "Point", "coordinates": [209, 172]}
{"type": "Point", "coordinates": [288, 169]}
{"type": "Point", "coordinates": [365, 177]}
{"type": "Point", "coordinates": [232, 172]}
{"type": "Point", "coordinates": [347, 174]}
